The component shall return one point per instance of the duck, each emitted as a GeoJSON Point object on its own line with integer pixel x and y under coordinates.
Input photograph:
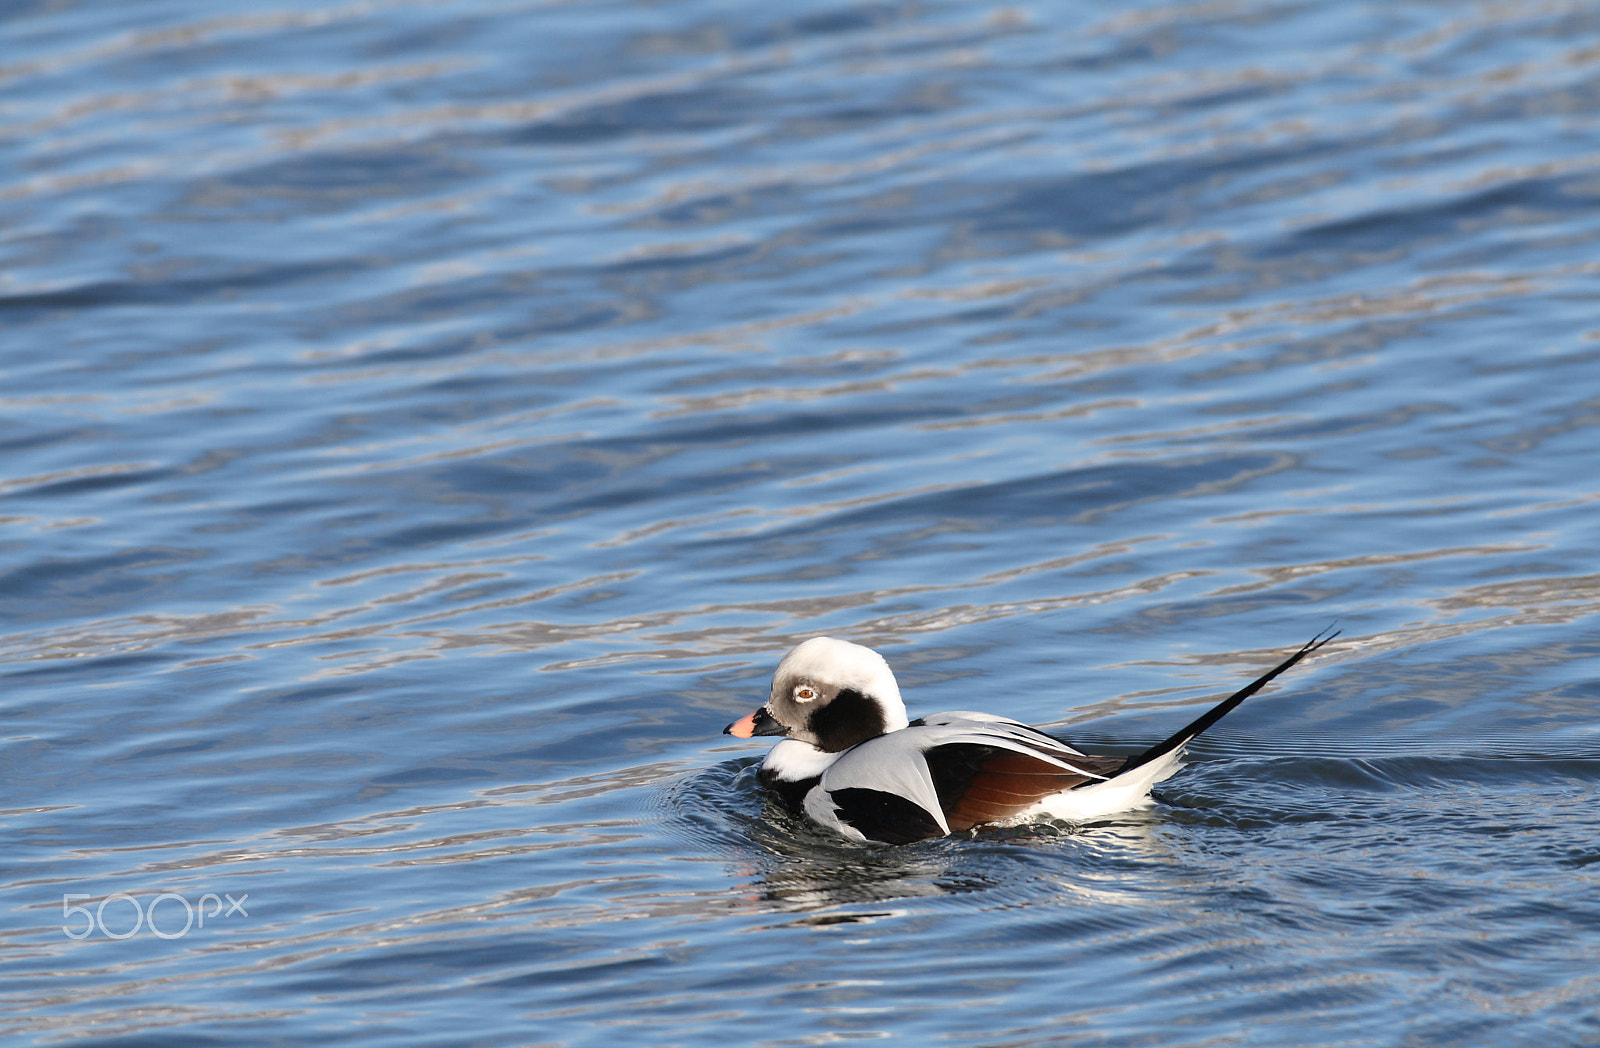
{"type": "Point", "coordinates": [850, 761]}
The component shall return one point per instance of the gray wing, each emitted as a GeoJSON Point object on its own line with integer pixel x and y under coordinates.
{"type": "Point", "coordinates": [948, 772]}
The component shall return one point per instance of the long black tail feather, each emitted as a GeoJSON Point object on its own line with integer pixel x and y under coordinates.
{"type": "Point", "coordinates": [1223, 708]}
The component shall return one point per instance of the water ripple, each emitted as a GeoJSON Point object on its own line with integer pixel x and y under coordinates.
{"type": "Point", "coordinates": [427, 424]}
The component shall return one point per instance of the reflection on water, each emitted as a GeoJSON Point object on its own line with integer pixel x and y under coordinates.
{"type": "Point", "coordinates": [425, 425]}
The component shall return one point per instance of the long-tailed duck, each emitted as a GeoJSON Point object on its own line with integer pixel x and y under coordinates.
{"type": "Point", "coordinates": [851, 761]}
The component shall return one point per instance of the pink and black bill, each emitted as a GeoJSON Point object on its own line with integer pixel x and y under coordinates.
{"type": "Point", "coordinates": [758, 723]}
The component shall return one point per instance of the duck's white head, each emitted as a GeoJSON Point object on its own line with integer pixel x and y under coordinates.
{"type": "Point", "coordinates": [829, 693]}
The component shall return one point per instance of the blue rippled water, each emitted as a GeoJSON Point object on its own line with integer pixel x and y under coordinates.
{"type": "Point", "coordinates": [423, 426]}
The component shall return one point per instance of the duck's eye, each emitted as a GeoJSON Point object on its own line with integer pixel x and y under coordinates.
{"type": "Point", "coordinates": [804, 693]}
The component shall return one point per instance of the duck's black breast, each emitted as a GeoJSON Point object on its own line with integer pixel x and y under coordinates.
{"type": "Point", "coordinates": [791, 793]}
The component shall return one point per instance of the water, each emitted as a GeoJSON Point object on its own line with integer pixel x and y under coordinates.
{"type": "Point", "coordinates": [425, 426]}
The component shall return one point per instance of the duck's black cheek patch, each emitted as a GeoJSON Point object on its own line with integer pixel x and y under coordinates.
{"type": "Point", "coordinates": [886, 817]}
{"type": "Point", "coordinates": [847, 720]}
